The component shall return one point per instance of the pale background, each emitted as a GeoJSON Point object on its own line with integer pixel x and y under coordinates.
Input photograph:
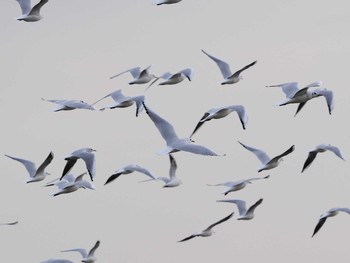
{"type": "Point", "coordinates": [71, 54]}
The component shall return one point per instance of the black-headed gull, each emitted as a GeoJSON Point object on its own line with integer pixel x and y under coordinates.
{"type": "Point", "coordinates": [35, 175]}
{"type": "Point", "coordinates": [226, 71]}
{"type": "Point", "coordinates": [320, 149]}
{"type": "Point", "coordinates": [221, 112]}
{"type": "Point", "coordinates": [208, 231]}
{"type": "Point", "coordinates": [166, 2]}
{"type": "Point", "coordinates": [87, 257]}
{"type": "Point", "coordinates": [174, 143]}
{"type": "Point", "coordinates": [30, 14]}
{"type": "Point", "coordinates": [267, 162]}
{"type": "Point", "coordinates": [244, 213]}
{"type": "Point", "coordinates": [121, 101]}
{"type": "Point", "coordinates": [130, 169]}
{"type": "Point", "coordinates": [140, 76]}
{"type": "Point", "coordinates": [301, 96]}
{"type": "Point", "coordinates": [66, 187]}
{"type": "Point", "coordinates": [87, 155]}
{"type": "Point", "coordinates": [171, 79]}
{"type": "Point", "coordinates": [70, 105]}
{"type": "Point", "coordinates": [329, 213]}
{"type": "Point", "coordinates": [238, 185]}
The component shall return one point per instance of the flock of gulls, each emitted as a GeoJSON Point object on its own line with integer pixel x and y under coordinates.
{"type": "Point", "coordinates": [68, 183]}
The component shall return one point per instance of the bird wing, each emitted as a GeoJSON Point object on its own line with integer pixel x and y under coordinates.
{"type": "Point", "coordinates": [36, 9]}
{"type": "Point", "coordinates": [320, 223]}
{"type": "Point", "coordinates": [236, 74]}
{"type": "Point", "coordinates": [165, 129]}
{"type": "Point", "coordinates": [135, 72]}
{"type": "Point", "coordinates": [69, 165]}
{"type": "Point", "coordinates": [92, 251]}
{"type": "Point", "coordinates": [220, 221]}
{"type": "Point", "coordinates": [194, 148]}
{"type": "Point", "coordinates": [300, 106]}
{"type": "Point", "coordinates": [261, 155]}
{"type": "Point", "coordinates": [243, 117]}
{"type": "Point", "coordinates": [289, 88]}
{"type": "Point", "coordinates": [328, 95]}
{"type": "Point", "coordinates": [113, 177]}
{"type": "Point", "coordinates": [290, 150]}
{"type": "Point", "coordinates": [140, 169]}
{"type": "Point", "coordinates": [188, 73]}
{"type": "Point", "coordinates": [252, 208]}
{"type": "Point", "coordinates": [310, 158]}
{"type": "Point", "coordinates": [30, 166]}
{"type": "Point", "coordinates": [241, 205]}
{"type": "Point", "coordinates": [89, 159]}
{"type": "Point", "coordinates": [110, 94]}
{"type": "Point", "coordinates": [187, 238]}
{"type": "Point", "coordinates": [139, 106]}
{"type": "Point", "coordinates": [200, 123]}
{"type": "Point", "coordinates": [47, 161]}
{"type": "Point", "coordinates": [223, 66]}
{"type": "Point", "coordinates": [25, 5]}
{"type": "Point", "coordinates": [173, 166]}
{"type": "Point", "coordinates": [82, 251]}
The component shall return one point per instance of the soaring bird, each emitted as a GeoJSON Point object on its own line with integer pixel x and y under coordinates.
{"type": "Point", "coordinates": [329, 213]}
{"type": "Point", "coordinates": [87, 257]}
{"type": "Point", "coordinates": [87, 155]}
{"type": "Point", "coordinates": [320, 149]}
{"type": "Point", "coordinates": [130, 169]}
{"type": "Point", "coordinates": [226, 71]}
{"type": "Point", "coordinates": [65, 105]}
{"type": "Point", "coordinates": [301, 96]}
{"type": "Point", "coordinates": [221, 112]}
{"type": "Point", "coordinates": [174, 143]}
{"type": "Point", "coordinates": [244, 213]}
{"type": "Point", "coordinates": [267, 162]}
{"type": "Point", "coordinates": [171, 79]}
{"type": "Point", "coordinates": [30, 14]}
{"type": "Point", "coordinates": [35, 175]}
{"type": "Point", "coordinates": [208, 231]}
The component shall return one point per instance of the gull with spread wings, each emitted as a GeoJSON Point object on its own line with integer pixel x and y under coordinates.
{"type": "Point", "coordinates": [30, 14]}
{"type": "Point", "coordinates": [140, 76]}
{"type": "Point", "coordinates": [331, 212]}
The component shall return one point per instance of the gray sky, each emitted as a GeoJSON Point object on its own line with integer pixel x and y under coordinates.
{"type": "Point", "coordinates": [71, 54]}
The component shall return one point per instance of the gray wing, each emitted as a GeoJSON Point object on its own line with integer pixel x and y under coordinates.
{"type": "Point", "coordinates": [37, 7]}
{"type": "Point", "coordinates": [30, 166]}
{"type": "Point", "coordinates": [25, 5]}
{"type": "Point", "coordinates": [261, 155]}
{"type": "Point", "coordinates": [89, 159]}
{"type": "Point", "coordinates": [194, 148]}
{"type": "Point", "coordinates": [110, 94]}
{"type": "Point", "coordinates": [82, 251]}
{"type": "Point", "coordinates": [252, 208]}
{"type": "Point", "coordinates": [220, 221]}
{"type": "Point", "coordinates": [188, 73]}
{"type": "Point", "coordinates": [289, 88]}
{"type": "Point", "coordinates": [165, 129]}
{"type": "Point", "coordinates": [328, 95]}
{"type": "Point", "coordinates": [331, 148]}
{"type": "Point", "coordinates": [47, 161]}
{"type": "Point", "coordinates": [241, 205]}
{"type": "Point", "coordinates": [140, 169]}
{"type": "Point", "coordinates": [236, 74]}
{"type": "Point", "coordinates": [145, 72]}
{"type": "Point", "coordinates": [173, 166]}
{"type": "Point", "coordinates": [135, 72]}
{"type": "Point", "coordinates": [92, 251]}
{"type": "Point", "coordinates": [223, 66]}
{"type": "Point", "coordinates": [139, 106]}
{"type": "Point", "coordinates": [243, 117]}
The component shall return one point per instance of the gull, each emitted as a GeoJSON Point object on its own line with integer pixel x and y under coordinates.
{"type": "Point", "coordinates": [30, 14]}
{"type": "Point", "coordinates": [226, 71]}
{"type": "Point", "coordinates": [208, 231]}
{"type": "Point", "coordinates": [70, 105]}
{"type": "Point", "coordinates": [267, 162]}
{"type": "Point", "coordinates": [171, 79]}
{"type": "Point", "coordinates": [53, 260]}
{"type": "Point", "coordinates": [174, 143]}
{"type": "Point", "coordinates": [87, 257]}
{"type": "Point", "coordinates": [329, 213]}
{"type": "Point", "coordinates": [86, 154]}
{"type": "Point", "coordinates": [221, 112]}
{"type": "Point", "coordinates": [35, 175]}
{"type": "Point", "coordinates": [68, 178]}
{"type": "Point", "coordinates": [140, 76]}
{"type": "Point", "coordinates": [238, 185]}
{"type": "Point", "coordinates": [244, 214]}
{"type": "Point", "coordinates": [301, 96]}
{"type": "Point", "coordinates": [167, 2]}
{"type": "Point", "coordinates": [130, 169]}
{"type": "Point", "coordinates": [121, 101]}
{"type": "Point", "coordinates": [9, 224]}
{"type": "Point", "coordinates": [66, 187]}
{"type": "Point", "coordinates": [172, 181]}
{"type": "Point", "coordinates": [319, 149]}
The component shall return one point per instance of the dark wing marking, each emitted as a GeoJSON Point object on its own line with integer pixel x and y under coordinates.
{"type": "Point", "coordinates": [310, 158]}
{"type": "Point", "coordinates": [69, 165]}
{"type": "Point", "coordinates": [301, 105]}
{"type": "Point", "coordinates": [220, 221]}
{"type": "Point", "coordinates": [236, 74]}
{"type": "Point", "coordinates": [47, 161]}
{"type": "Point", "coordinates": [112, 178]}
{"type": "Point", "coordinates": [319, 225]}
{"type": "Point", "coordinates": [200, 123]}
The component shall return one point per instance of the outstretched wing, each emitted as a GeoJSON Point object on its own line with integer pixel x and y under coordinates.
{"type": "Point", "coordinates": [36, 9]}
{"type": "Point", "coordinates": [92, 251]}
{"type": "Point", "coordinates": [220, 221]}
{"type": "Point", "coordinates": [319, 225]}
{"type": "Point", "coordinates": [261, 155]}
{"type": "Point", "coordinates": [236, 74]}
{"type": "Point", "coordinates": [47, 161]}
{"type": "Point", "coordinates": [223, 66]}
{"type": "Point", "coordinates": [30, 166]}
{"type": "Point", "coordinates": [310, 158]}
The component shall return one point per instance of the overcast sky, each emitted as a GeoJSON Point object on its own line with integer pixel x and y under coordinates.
{"type": "Point", "coordinates": [72, 52]}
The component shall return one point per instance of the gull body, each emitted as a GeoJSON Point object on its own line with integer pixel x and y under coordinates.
{"type": "Point", "coordinates": [238, 185]}
{"type": "Point", "coordinates": [88, 257]}
{"type": "Point", "coordinates": [244, 213]}
{"type": "Point", "coordinates": [30, 14]}
{"type": "Point", "coordinates": [35, 175]}
{"type": "Point", "coordinates": [87, 155]}
{"type": "Point", "coordinates": [130, 169]}
{"type": "Point", "coordinates": [67, 187]}
{"type": "Point", "coordinates": [171, 79]}
{"type": "Point", "coordinates": [221, 112]}
{"type": "Point", "coordinates": [121, 101]}
{"type": "Point", "coordinates": [267, 162]}
{"type": "Point", "coordinates": [174, 143]}
{"type": "Point", "coordinates": [66, 105]}
{"type": "Point", "coordinates": [208, 231]}
{"type": "Point", "coordinates": [230, 78]}
{"type": "Point", "coordinates": [302, 96]}
{"type": "Point", "coordinates": [320, 149]}
{"type": "Point", "coordinates": [331, 212]}
{"type": "Point", "coordinates": [140, 76]}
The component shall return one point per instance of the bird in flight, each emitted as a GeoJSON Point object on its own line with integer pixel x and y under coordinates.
{"type": "Point", "coordinates": [244, 213]}
{"type": "Point", "coordinates": [30, 14]}
{"type": "Point", "coordinates": [331, 212]}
